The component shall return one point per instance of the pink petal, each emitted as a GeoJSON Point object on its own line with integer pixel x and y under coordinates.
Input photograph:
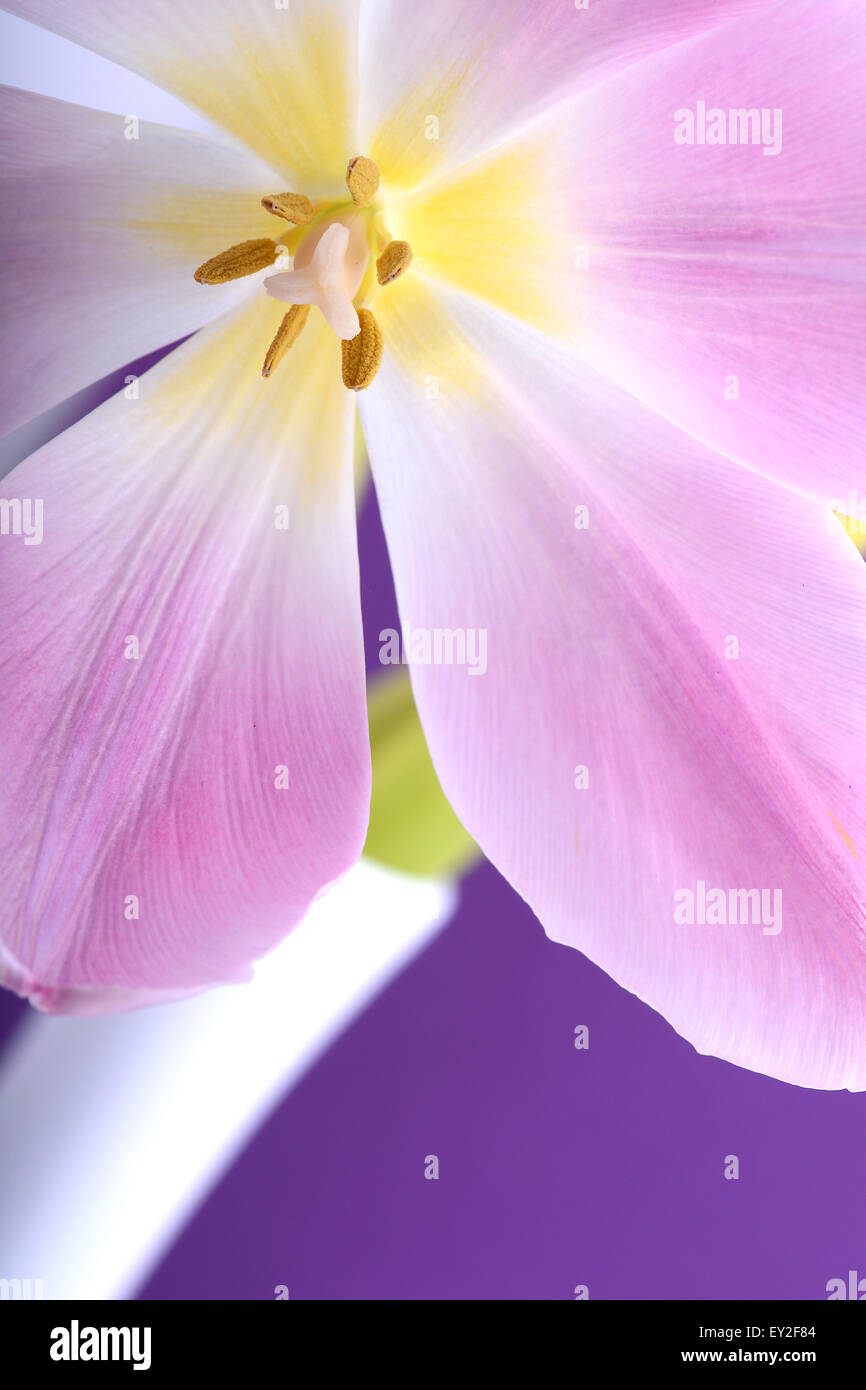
{"type": "Point", "coordinates": [606, 650]}
{"type": "Point", "coordinates": [481, 72]}
{"type": "Point", "coordinates": [153, 782]}
{"type": "Point", "coordinates": [726, 287]}
{"type": "Point", "coordinates": [100, 236]}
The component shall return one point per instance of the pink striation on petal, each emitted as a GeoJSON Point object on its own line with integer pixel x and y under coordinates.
{"type": "Point", "coordinates": [186, 762]}
{"type": "Point", "coordinates": [485, 71]}
{"type": "Point", "coordinates": [673, 692]}
{"type": "Point", "coordinates": [725, 285]}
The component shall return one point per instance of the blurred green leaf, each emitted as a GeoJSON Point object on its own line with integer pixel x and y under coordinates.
{"type": "Point", "coordinates": [412, 826]}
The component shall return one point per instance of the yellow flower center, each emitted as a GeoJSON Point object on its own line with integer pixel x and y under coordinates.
{"type": "Point", "coordinates": [341, 251]}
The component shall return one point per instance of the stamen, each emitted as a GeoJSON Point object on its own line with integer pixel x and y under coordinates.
{"type": "Point", "coordinates": [333, 254]}
{"type": "Point", "coordinates": [362, 180]}
{"type": "Point", "coordinates": [393, 262]}
{"type": "Point", "coordinates": [362, 355]}
{"type": "Point", "coordinates": [294, 207]}
{"type": "Point", "coordinates": [287, 334]}
{"type": "Point", "coordinates": [244, 259]}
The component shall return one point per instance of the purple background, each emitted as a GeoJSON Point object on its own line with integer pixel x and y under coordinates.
{"type": "Point", "coordinates": [557, 1167]}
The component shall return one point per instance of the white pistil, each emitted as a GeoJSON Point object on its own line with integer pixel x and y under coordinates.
{"type": "Point", "coordinates": [327, 271]}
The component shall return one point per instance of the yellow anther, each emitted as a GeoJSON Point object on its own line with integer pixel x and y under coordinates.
{"type": "Point", "coordinates": [294, 207]}
{"type": "Point", "coordinates": [394, 260]}
{"type": "Point", "coordinates": [287, 333]}
{"type": "Point", "coordinates": [362, 355]}
{"type": "Point", "coordinates": [362, 180]}
{"type": "Point", "coordinates": [244, 259]}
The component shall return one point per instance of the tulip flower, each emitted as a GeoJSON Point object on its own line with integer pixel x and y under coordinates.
{"type": "Point", "coordinates": [591, 276]}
